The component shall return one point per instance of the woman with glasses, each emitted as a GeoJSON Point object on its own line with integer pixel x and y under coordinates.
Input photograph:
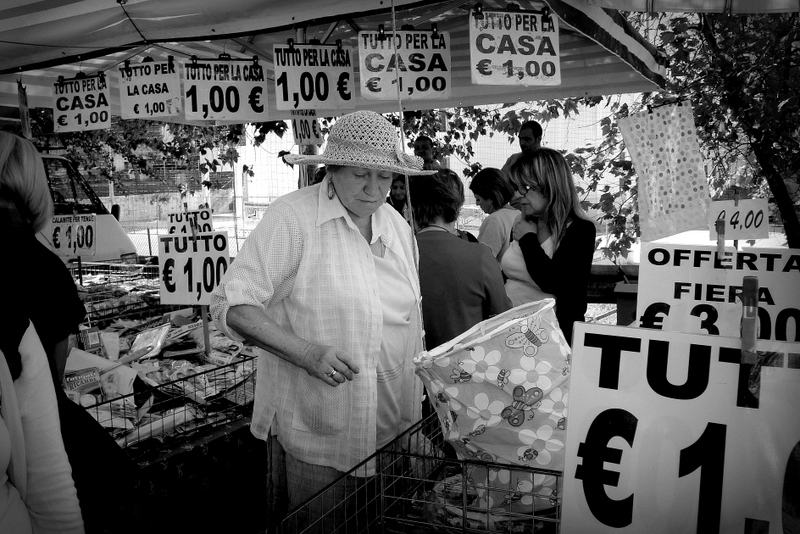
{"type": "Point", "coordinates": [553, 241]}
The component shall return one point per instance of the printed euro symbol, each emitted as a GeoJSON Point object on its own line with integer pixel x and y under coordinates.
{"type": "Point", "coordinates": [169, 265]}
{"type": "Point", "coordinates": [255, 99]}
{"type": "Point", "coordinates": [653, 316]}
{"type": "Point", "coordinates": [595, 452]}
{"type": "Point", "coordinates": [484, 67]}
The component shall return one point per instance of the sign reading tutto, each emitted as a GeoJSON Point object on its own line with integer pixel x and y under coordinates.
{"type": "Point", "coordinates": [183, 221]}
{"type": "Point", "coordinates": [660, 424]}
{"type": "Point", "coordinates": [191, 266]}
{"type": "Point", "coordinates": [513, 48]}
{"type": "Point", "coordinates": [149, 90]}
{"type": "Point", "coordinates": [81, 104]}
{"type": "Point", "coordinates": [420, 68]}
{"type": "Point", "coordinates": [694, 289]}
{"type": "Point", "coordinates": [225, 90]}
{"type": "Point", "coordinates": [313, 77]}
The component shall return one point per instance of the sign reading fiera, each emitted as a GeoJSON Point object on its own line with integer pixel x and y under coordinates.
{"type": "Point", "coordinates": [514, 48]}
{"type": "Point", "coordinates": [191, 266]}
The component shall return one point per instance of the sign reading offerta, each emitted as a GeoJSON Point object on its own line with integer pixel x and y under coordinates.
{"type": "Point", "coordinates": [671, 433]}
{"type": "Point", "coordinates": [514, 48]}
{"type": "Point", "coordinates": [695, 289]}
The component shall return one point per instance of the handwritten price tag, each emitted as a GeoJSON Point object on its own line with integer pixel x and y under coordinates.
{"type": "Point", "coordinates": [191, 266]}
{"type": "Point", "coordinates": [74, 235]}
{"type": "Point", "coordinates": [313, 77]}
{"type": "Point", "coordinates": [748, 220]}
{"type": "Point", "coordinates": [305, 127]}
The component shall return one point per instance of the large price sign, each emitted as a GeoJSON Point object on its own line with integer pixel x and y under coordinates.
{"type": "Point", "coordinates": [313, 77]}
{"type": "Point", "coordinates": [512, 48]}
{"type": "Point", "coordinates": [191, 266]}
{"type": "Point", "coordinates": [305, 127]}
{"type": "Point", "coordinates": [183, 222]}
{"type": "Point", "coordinates": [748, 220]}
{"type": "Point", "coordinates": [81, 104]}
{"type": "Point", "coordinates": [225, 90]}
{"type": "Point", "coordinates": [417, 63]}
{"type": "Point", "coordinates": [74, 235]}
{"type": "Point", "coordinates": [673, 434]}
{"type": "Point", "coordinates": [149, 90]}
{"type": "Point", "coordinates": [695, 289]}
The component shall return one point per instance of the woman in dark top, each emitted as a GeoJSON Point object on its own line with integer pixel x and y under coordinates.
{"type": "Point", "coordinates": [556, 238]}
{"type": "Point", "coordinates": [397, 194]}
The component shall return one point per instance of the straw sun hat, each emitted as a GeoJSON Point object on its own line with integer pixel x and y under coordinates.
{"type": "Point", "coordinates": [364, 139]}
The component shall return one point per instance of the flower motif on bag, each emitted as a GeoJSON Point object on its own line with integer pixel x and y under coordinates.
{"type": "Point", "coordinates": [533, 372]}
{"type": "Point", "coordinates": [556, 403]}
{"type": "Point", "coordinates": [524, 400]}
{"type": "Point", "coordinates": [482, 365]}
{"type": "Point", "coordinates": [528, 336]}
{"type": "Point", "coordinates": [485, 411]}
{"type": "Point", "coordinates": [540, 440]}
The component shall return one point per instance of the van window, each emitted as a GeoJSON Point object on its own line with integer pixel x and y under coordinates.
{"type": "Point", "coordinates": [71, 193]}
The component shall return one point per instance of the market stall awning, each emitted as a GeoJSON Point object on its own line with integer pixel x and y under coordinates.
{"type": "Point", "coordinates": [701, 6]}
{"type": "Point", "coordinates": [40, 41]}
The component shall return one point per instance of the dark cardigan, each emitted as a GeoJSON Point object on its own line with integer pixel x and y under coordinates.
{"type": "Point", "coordinates": [566, 274]}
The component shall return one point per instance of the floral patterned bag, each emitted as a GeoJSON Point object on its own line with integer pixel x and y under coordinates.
{"type": "Point", "coordinates": [501, 391]}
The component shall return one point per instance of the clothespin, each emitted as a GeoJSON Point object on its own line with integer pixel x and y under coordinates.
{"type": "Point", "coordinates": [737, 195]}
{"type": "Point", "coordinates": [749, 325]}
{"type": "Point", "coordinates": [478, 13]}
{"type": "Point", "coordinates": [719, 226]}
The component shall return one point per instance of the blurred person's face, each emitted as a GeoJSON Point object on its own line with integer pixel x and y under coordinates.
{"type": "Point", "coordinates": [424, 149]}
{"type": "Point", "coordinates": [530, 199]}
{"type": "Point", "coordinates": [398, 191]}
{"type": "Point", "coordinates": [484, 203]}
{"type": "Point", "coordinates": [527, 142]}
{"type": "Point", "coordinates": [361, 191]}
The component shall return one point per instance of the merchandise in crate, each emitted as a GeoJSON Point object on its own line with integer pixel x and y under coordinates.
{"type": "Point", "coordinates": [412, 486]}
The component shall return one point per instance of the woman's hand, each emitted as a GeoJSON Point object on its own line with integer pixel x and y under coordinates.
{"type": "Point", "coordinates": [329, 364]}
{"type": "Point", "coordinates": [523, 227]}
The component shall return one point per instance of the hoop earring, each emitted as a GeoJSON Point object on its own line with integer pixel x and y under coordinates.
{"type": "Point", "coordinates": [331, 190]}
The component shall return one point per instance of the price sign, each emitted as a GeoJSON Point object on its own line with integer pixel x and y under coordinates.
{"type": "Point", "coordinates": [422, 62]}
{"type": "Point", "coordinates": [81, 104]}
{"type": "Point", "coordinates": [748, 220]}
{"type": "Point", "coordinates": [510, 48]}
{"type": "Point", "coordinates": [225, 90]}
{"type": "Point", "coordinates": [305, 127]}
{"type": "Point", "coordinates": [183, 221]}
{"type": "Point", "coordinates": [664, 436]}
{"type": "Point", "coordinates": [313, 77]}
{"type": "Point", "coordinates": [74, 235]}
{"type": "Point", "coordinates": [191, 266]}
{"type": "Point", "coordinates": [149, 90]}
{"type": "Point", "coordinates": [694, 289]}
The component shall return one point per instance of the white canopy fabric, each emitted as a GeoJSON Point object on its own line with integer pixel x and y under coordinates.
{"type": "Point", "coordinates": [39, 41]}
{"type": "Point", "coordinates": [701, 6]}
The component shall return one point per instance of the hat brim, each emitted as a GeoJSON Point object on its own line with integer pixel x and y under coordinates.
{"type": "Point", "coordinates": [311, 159]}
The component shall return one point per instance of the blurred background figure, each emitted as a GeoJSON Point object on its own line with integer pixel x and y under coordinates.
{"type": "Point", "coordinates": [423, 148]}
{"type": "Point", "coordinates": [319, 175]}
{"type": "Point", "coordinates": [492, 193]}
{"type": "Point", "coordinates": [397, 194]}
{"type": "Point", "coordinates": [451, 179]}
{"type": "Point", "coordinates": [530, 138]}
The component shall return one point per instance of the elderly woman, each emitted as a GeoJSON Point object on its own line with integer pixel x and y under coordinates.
{"type": "Point", "coordinates": [326, 286]}
{"type": "Point", "coordinates": [493, 192]}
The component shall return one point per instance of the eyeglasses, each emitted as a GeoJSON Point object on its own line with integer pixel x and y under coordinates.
{"type": "Point", "coordinates": [523, 189]}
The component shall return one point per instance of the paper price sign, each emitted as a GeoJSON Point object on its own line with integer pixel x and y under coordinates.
{"type": "Point", "coordinates": [191, 266]}
{"type": "Point", "coordinates": [663, 435]}
{"type": "Point", "coordinates": [81, 104]}
{"type": "Point", "coordinates": [183, 221]}
{"type": "Point", "coordinates": [510, 48]}
{"type": "Point", "coordinates": [305, 127]}
{"type": "Point", "coordinates": [74, 235]}
{"type": "Point", "coordinates": [748, 220]}
{"type": "Point", "coordinates": [694, 289]}
{"type": "Point", "coordinates": [225, 90]}
{"type": "Point", "coordinates": [313, 77]}
{"type": "Point", "coordinates": [149, 90]}
{"type": "Point", "coordinates": [422, 63]}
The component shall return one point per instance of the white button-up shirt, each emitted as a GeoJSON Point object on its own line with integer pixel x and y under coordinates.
{"type": "Point", "coordinates": [308, 267]}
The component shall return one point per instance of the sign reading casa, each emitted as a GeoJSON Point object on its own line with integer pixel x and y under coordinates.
{"type": "Point", "coordinates": [417, 63]}
{"type": "Point", "coordinates": [513, 48]}
{"type": "Point", "coordinates": [81, 104]}
{"type": "Point", "coordinates": [149, 90]}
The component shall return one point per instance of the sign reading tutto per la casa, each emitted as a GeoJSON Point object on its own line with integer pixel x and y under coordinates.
{"type": "Point", "coordinates": [81, 104]}
{"type": "Point", "coordinates": [514, 48]}
{"type": "Point", "coordinates": [149, 90]}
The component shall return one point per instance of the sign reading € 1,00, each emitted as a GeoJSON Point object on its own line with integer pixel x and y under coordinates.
{"type": "Point", "coordinates": [514, 48]}
{"type": "Point", "coordinates": [149, 90]}
{"type": "Point", "coordinates": [420, 69]}
{"type": "Point", "coordinates": [74, 235]}
{"type": "Point", "coordinates": [313, 77]}
{"type": "Point", "coordinates": [192, 266]}
{"type": "Point", "coordinates": [671, 433]}
{"type": "Point", "coordinates": [225, 90]}
{"type": "Point", "coordinates": [81, 104]}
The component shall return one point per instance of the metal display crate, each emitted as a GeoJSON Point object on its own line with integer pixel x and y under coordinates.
{"type": "Point", "coordinates": [418, 488]}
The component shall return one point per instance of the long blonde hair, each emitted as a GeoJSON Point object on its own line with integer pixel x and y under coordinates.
{"type": "Point", "coordinates": [23, 180]}
{"type": "Point", "coordinates": [546, 170]}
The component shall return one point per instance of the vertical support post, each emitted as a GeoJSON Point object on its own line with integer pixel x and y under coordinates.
{"type": "Point", "coordinates": [149, 244]}
{"type": "Point", "coordinates": [719, 226]}
{"type": "Point", "coordinates": [736, 197]}
{"type": "Point", "coordinates": [203, 307]}
{"type": "Point", "coordinates": [749, 324]}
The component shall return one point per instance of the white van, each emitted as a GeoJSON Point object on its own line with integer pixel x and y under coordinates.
{"type": "Point", "coordinates": [72, 194]}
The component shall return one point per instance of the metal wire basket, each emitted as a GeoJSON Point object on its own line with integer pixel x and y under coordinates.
{"type": "Point", "coordinates": [418, 487]}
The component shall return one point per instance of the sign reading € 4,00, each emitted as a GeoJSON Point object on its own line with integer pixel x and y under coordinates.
{"type": "Point", "coordinates": [313, 77]}
{"type": "Point", "coordinates": [671, 433]}
{"type": "Point", "coordinates": [81, 104]}
{"type": "Point", "coordinates": [225, 90]}
{"type": "Point", "coordinates": [420, 69]}
{"type": "Point", "coordinates": [149, 90]}
{"type": "Point", "coordinates": [191, 266]}
{"type": "Point", "coordinates": [514, 48]}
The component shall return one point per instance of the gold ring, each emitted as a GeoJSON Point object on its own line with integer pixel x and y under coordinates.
{"type": "Point", "coordinates": [332, 373]}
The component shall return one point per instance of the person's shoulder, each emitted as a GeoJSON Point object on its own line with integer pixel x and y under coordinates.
{"type": "Point", "coordinates": [584, 225]}
{"type": "Point", "coordinates": [301, 196]}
